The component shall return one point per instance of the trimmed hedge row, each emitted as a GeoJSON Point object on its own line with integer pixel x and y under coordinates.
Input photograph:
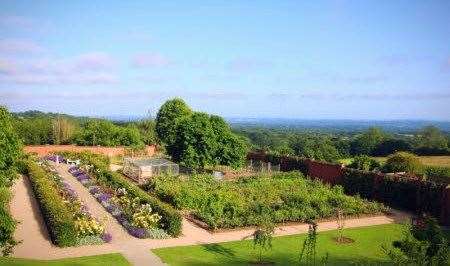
{"type": "Point", "coordinates": [58, 218]}
{"type": "Point", "coordinates": [170, 217]}
{"type": "Point", "coordinates": [409, 194]}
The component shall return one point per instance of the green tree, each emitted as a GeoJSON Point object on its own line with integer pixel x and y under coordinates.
{"type": "Point", "coordinates": [367, 142]}
{"type": "Point", "coordinates": [365, 163]}
{"type": "Point", "coordinates": [403, 162]}
{"type": "Point", "coordinates": [430, 140]}
{"type": "Point", "coordinates": [423, 243]}
{"type": "Point", "coordinates": [314, 147]}
{"type": "Point", "coordinates": [147, 129]}
{"type": "Point", "coordinates": [195, 144]}
{"type": "Point", "coordinates": [169, 116]}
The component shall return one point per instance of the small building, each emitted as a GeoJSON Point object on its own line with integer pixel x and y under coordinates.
{"type": "Point", "coordinates": [141, 169]}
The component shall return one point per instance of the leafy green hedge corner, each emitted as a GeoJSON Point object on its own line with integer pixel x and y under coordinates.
{"type": "Point", "coordinates": [58, 218]}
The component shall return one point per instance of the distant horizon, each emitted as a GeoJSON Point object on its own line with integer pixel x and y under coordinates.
{"type": "Point", "coordinates": [228, 118]}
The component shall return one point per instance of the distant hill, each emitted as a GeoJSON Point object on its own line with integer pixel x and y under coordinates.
{"type": "Point", "coordinates": [399, 126]}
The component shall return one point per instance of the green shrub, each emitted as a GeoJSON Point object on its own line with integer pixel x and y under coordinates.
{"type": "Point", "coordinates": [365, 163]}
{"type": "Point", "coordinates": [438, 174]}
{"type": "Point", "coordinates": [403, 162]}
{"type": "Point", "coordinates": [171, 219]}
{"type": "Point", "coordinates": [57, 216]}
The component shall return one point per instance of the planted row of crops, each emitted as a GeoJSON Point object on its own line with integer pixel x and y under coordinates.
{"type": "Point", "coordinates": [283, 197]}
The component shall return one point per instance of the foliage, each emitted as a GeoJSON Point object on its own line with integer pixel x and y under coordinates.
{"type": "Point", "coordinates": [282, 197]}
{"type": "Point", "coordinates": [168, 118]}
{"type": "Point", "coordinates": [262, 237]}
{"type": "Point", "coordinates": [105, 133]}
{"type": "Point", "coordinates": [438, 174]}
{"type": "Point", "coordinates": [367, 142]}
{"type": "Point", "coordinates": [197, 140]}
{"type": "Point", "coordinates": [431, 141]}
{"type": "Point", "coordinates": [403, 162]}
{"type": "Point", "coordinates": [57, 215]}
{"type": "Point", "coordinates": [308, 252]}
{"type": "Point", "coordinates": [314, 147]}
{"type": "Point", "coordinates": [10, 152]}
{"type": "Point", "coordinates": [423, 243]}
{"type": "Point", "coordinates": [365, 163]}
{"type": "Point", "coordinates": [405, 193]}
{"type": "Point", "coordinates": [86, 226]}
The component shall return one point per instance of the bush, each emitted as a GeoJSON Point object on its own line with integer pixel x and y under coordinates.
{"type": "Point", "coordinates": [403, 162]}
{"type": "Point", "coordinates": [438, 174]}
{"type": "Point", "coordinates": [171, 219]}
{"type": "Point", "coordinates": [57, 216]}
{"type": "Point", "coordinates": [365, 163]}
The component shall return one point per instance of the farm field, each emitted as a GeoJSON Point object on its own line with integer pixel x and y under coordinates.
{"type": "Point", "coordinates": [286, 249]}
{"type": "Point", "coordinates": [107, 259]}
{"type": "Point", "coordinates": [426, 160]}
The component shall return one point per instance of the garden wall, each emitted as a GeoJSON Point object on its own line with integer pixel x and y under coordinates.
{"type": "Point", "coordinates": [43, 150]}
{"type": "Point", "coordinates": [401, 192]}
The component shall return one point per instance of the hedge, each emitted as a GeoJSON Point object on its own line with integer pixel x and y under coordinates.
{"type": "Point", "coordinates": [405, 193]}
{"type": "Point", "coordinates": [58, 218]}
{"type": "Point", "coordinates": [171, 219]}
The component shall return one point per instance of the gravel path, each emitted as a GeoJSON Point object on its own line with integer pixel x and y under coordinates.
{"type": "Point", "coordinates": [34, 234]}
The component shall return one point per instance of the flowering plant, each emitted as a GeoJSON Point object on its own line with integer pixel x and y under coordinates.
{"type": "Point", "coordinates": [88, 226]}
{"type": "Point", "coordinates": [144, 218]}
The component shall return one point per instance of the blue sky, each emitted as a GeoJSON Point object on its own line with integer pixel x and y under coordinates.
{"type": "Point", "coordinates": [291, 59]}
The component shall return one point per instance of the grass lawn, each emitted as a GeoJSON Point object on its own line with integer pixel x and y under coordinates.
{"type": "Point", "coordinates": [286, 249]}
{"type": "Point", "coordinates": [107, 259]}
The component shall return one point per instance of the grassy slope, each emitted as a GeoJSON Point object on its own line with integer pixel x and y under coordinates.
{"type": "Point", "coordinates": [108, 259]}
{"type": "Point", "coordinates": [286, 249]}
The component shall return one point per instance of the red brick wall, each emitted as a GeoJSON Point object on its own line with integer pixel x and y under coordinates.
{"type": "Point", "coordinates": [43, 150]}
{"type": "Point", "coordinates": [328, 173]}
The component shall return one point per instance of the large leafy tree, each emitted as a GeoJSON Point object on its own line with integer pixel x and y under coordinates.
{"type": "Point", "coordinates": [315, 147]}
{"type": "Point", "coordinates": [367, 142]}
{"type": "Point", "coordinates": [403, 162]}
{"type": "Point", "coordinates": [168, 118]}
{"type": "Point", "coordinates": [197, 139]}
{"type": "Point", "coordinates": [431, 140]}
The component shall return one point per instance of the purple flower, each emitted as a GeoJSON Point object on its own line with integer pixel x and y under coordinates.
{"type": "Point", "coordinates": [107, 237]}
{"type": "Point", "coordinates": [137, 232]}
{"type": "Point", "coordinates": [111, 208]}
{"type": "Point", "coordinates": [82, 177]}
{"type": "Point", "coordinates": [94, 190]}
{"type": "Point", "coordinates": [103, 197]}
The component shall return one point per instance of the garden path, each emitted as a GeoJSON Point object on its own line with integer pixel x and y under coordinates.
{"type": "Point", "coordinates": [37, 245]}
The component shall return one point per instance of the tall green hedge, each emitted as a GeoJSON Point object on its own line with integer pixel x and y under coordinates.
{"type": "Point", "coordinates": [405, 193]}
{"type": "Point", "coordinates": [170, 217]}
{"type": "Point", "coordinates": [59, 220]}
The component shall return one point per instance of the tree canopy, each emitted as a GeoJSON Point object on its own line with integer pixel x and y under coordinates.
{"type": "Point", "coordinates": [10, 147]}
{"type": "Point", "coordinates": [197, 139]}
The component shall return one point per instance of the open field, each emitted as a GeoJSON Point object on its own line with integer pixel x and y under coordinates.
{"type": "Point", "coordinates": [426, 160]}
{"type": "Point", "coordinates": [286, 249]}
{"type": "Point", "coordinates": [108, 259]}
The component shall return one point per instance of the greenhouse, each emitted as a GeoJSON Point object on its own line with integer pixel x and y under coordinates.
{"type": "Point", "coordinates": [140, 170]}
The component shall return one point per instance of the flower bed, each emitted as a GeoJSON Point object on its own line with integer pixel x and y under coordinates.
{"type": "Point", "coordinates": [136, 217]}
{"type": "Point", "coordinates": [68, 219]}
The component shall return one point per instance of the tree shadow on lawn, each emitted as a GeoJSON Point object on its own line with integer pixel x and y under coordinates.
{"type": "Point", "coordinates": [219, 249]}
